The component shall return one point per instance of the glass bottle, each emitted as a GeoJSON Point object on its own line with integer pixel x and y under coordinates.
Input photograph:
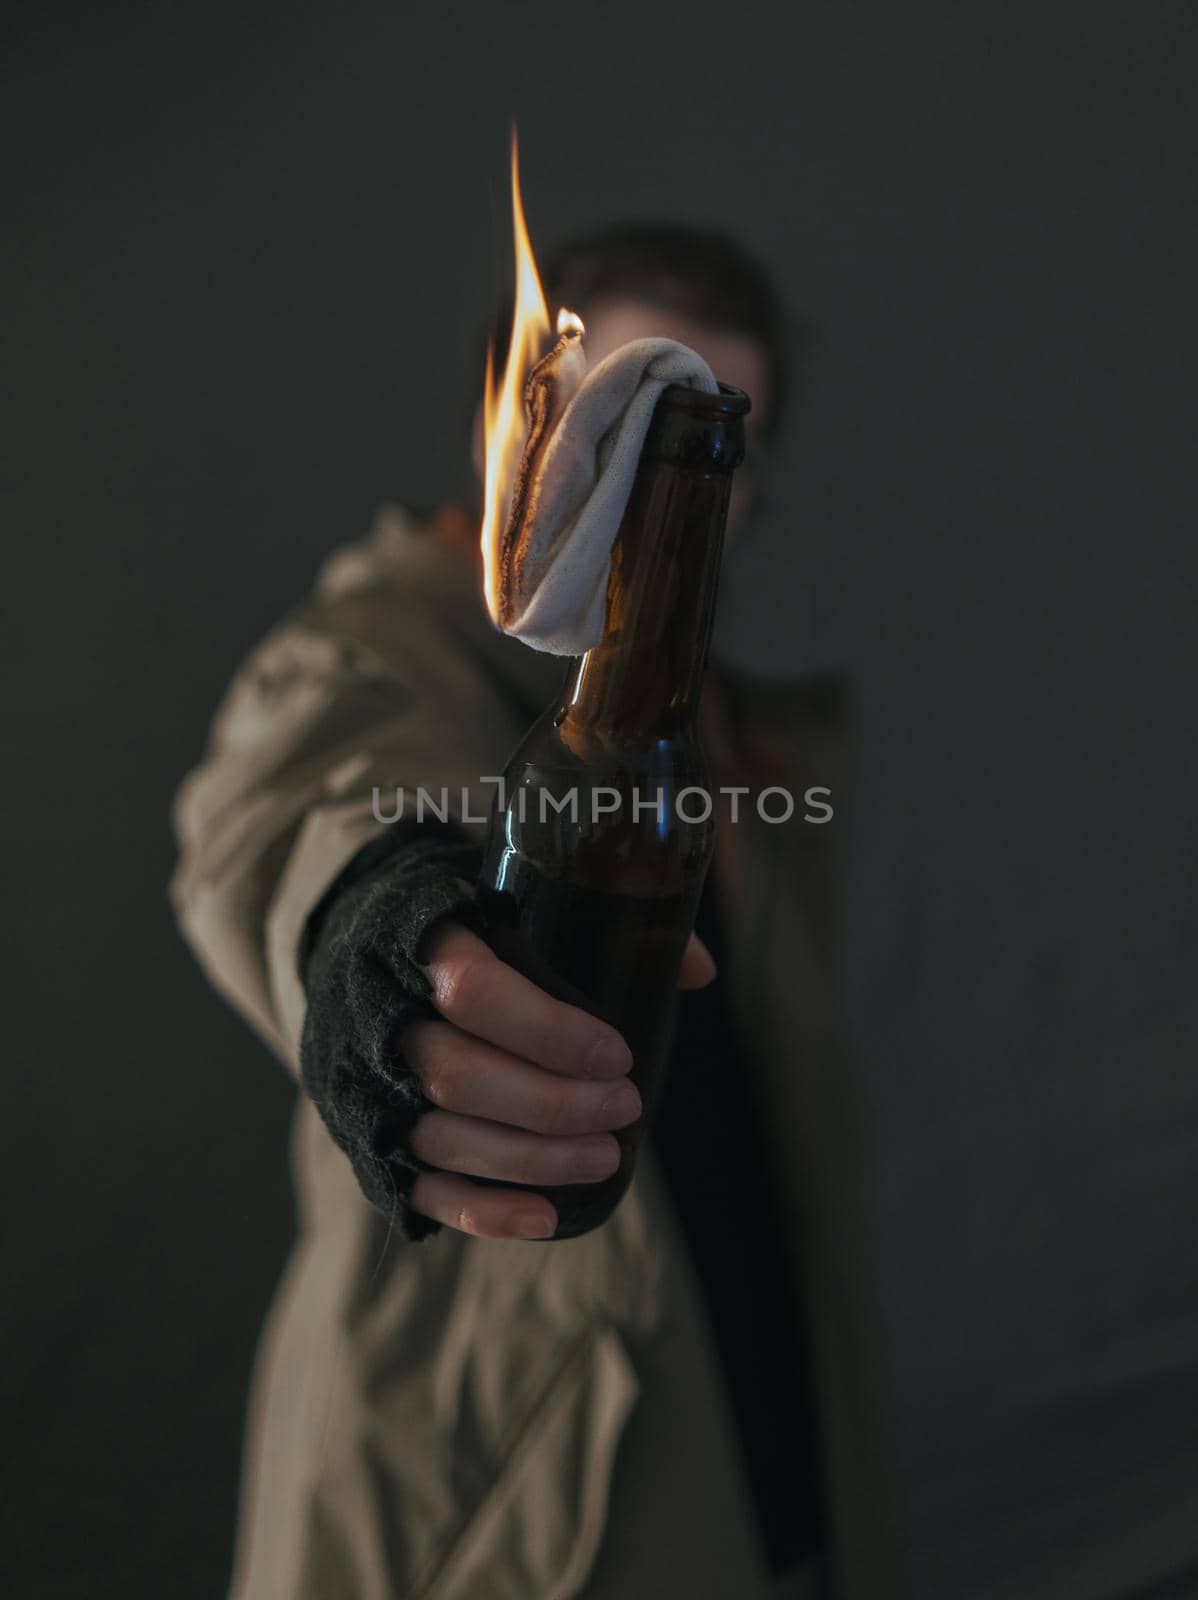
{"type": "Point", "coordinates": [603, 832]}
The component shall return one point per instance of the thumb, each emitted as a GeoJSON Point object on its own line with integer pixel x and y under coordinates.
{"type": "Point", "coordinates": [698, 969]}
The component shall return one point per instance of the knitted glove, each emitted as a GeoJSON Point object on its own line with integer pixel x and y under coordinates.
{"type": "Point", "coordinates": [360, 968]}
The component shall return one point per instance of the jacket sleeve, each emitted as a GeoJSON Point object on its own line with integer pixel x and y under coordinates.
{"type": "Point", "coordinates": [368, 691]}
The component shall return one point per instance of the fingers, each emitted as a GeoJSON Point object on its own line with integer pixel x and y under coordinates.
{"type": "Point", "coordinates": [488, 1150]}
{"type": "Point", "coordinates": [698, 968]}
{"type": "Point", "coordinates": [462, 1074]}
{"type": "Point", "coordinates": [483, 996]}
{"type": "Point", "coordinates": [486, 1213]}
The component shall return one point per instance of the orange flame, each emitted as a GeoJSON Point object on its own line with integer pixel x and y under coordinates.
{"type": "Point", "coordinates": [505, 426]}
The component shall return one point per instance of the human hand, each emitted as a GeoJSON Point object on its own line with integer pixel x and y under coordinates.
{"type": "Point", "coordinates": [525, 1088]}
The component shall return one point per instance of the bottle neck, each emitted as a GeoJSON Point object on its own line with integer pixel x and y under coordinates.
{"type": "Point", "coordinates": [641, 683]}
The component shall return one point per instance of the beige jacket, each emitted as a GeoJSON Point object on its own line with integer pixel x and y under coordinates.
{"type": "Point", "coordinates": [467, 1419]}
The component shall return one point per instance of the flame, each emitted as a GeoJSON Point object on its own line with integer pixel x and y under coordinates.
{"type": "Point", "coordinates": [505, 426]}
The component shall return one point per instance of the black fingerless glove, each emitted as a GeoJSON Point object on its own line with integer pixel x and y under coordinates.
{"type": "Point", "coordinates": [359, 964]}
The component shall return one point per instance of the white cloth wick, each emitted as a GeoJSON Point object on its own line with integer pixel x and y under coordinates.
{"type": "Point", "coordinates": [584, 446]}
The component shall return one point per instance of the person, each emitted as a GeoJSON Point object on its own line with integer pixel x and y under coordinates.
{"type": "Point", "coordinates": [439, 1410]}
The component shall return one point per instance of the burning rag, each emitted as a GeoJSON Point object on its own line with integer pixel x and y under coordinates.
{"type": "Point", "coordinates": [575, 478]}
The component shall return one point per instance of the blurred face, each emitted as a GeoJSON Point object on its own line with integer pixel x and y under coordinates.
{"type": "Point", "coordinates": [733, 357]}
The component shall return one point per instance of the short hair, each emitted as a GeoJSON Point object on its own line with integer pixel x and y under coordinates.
{"type": "Point", "coordinates": [697, 271]}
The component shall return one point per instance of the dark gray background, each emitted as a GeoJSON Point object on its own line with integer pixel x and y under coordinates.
{"type": "Point", "coordinates": [247, 254]}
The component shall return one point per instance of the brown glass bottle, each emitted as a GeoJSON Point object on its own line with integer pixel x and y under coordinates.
{"type": "Point", "coordinates": [603, 833]}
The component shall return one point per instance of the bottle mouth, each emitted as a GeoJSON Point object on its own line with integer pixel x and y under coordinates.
{"type": "Point", "coordinates": [729, 402]}
{"type": "Point", "coordinates": [697, 429]}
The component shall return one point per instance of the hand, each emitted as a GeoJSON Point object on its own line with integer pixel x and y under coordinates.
{"type": "Point", "coordinates": [526, 1088]}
